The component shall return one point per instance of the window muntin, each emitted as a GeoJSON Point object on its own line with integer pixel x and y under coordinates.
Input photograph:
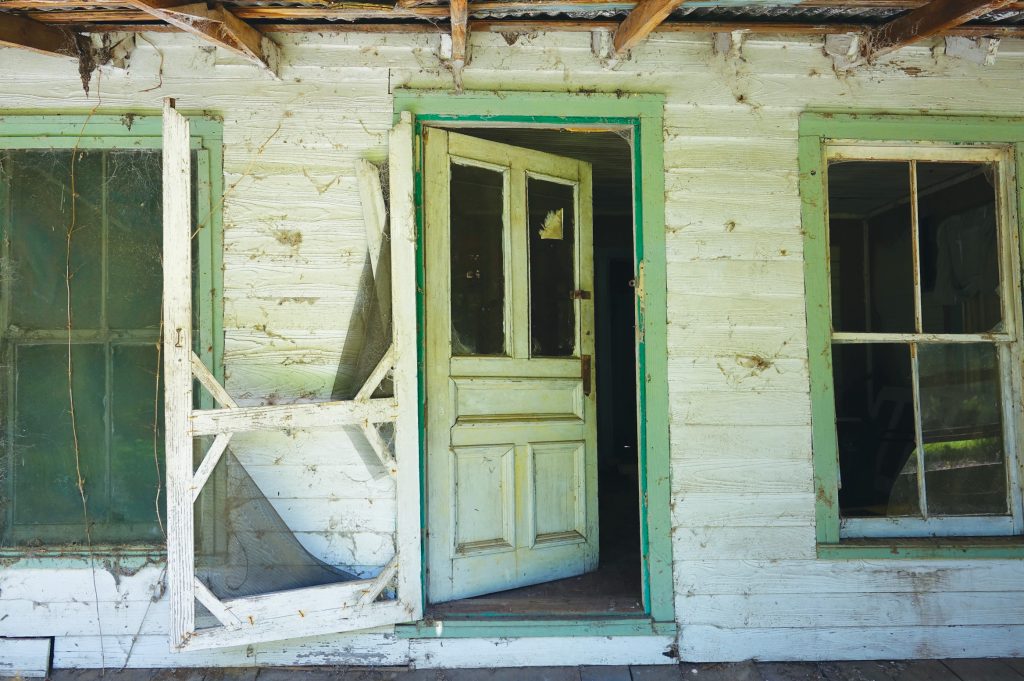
{"type": "Point", "coordinates": [923, 342]}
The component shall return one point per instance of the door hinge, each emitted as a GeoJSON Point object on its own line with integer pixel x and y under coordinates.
{"type": "Point", "coordinates": [579, 294]}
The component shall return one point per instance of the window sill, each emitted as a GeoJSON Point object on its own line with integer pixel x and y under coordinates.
{"type": "Point", "coordinates": [925, 548]}
{"type": "Point", "coordinates": [135, 556]}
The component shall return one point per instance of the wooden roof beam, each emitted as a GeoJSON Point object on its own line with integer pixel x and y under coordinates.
{"type": "Point", "coordinates": [642, 19]}
{"type": "Point", "coordinates": [29, 34]}
{"type": "Point", "coordinates": [931, 19]}
{"type": "Point", "coordinates": [217, 25]}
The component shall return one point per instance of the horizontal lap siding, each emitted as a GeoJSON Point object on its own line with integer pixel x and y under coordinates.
{"type": "Point", "coordinates": [748, 583]}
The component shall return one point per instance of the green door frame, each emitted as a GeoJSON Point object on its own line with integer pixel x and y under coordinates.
{"type": "Point", "coordinates": [643, 116]}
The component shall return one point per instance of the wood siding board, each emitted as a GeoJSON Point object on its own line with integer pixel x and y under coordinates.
{"type": "Point", "coordinates": [708, 136]}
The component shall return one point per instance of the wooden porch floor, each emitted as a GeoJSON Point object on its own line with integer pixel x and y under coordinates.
{"type": "Point", "coordinates": [915, 670]}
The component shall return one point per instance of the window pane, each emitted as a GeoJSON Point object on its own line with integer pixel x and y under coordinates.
{"type": "Point", "coordinates": [45, 478]}
{"type": "Point", "coordinates": [552, 227]}
{"type": "Point", "coordinates": [134, 200]}
{"type": "Point", "coordinates": [42, 213]}
{"type": "Point", "coordinates": [478, 261]}
{"type": "Point", "coordinates": [870, 245]}
{"type": "Point", "coordinates": [961, 420]}
{"type": "Point", "coordinates": [137, 438]}
{"type": "Point", "coordinates": [959, 248]}
{"type": "Point", "coordinates": [875, 430]}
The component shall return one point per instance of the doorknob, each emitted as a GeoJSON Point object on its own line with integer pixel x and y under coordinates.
{"type": "Point", "coordinates": [586, 373]}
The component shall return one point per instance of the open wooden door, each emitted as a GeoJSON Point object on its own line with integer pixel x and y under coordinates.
{"type": "Point", "coordinates": [395, 595]}
{"type": "Point", "coordinates": [511, 405]}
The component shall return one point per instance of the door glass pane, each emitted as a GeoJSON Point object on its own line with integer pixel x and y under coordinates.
{"type": "Point", "coordinates": [870, 246]}
{"type": "Point", "coordinates": [551, 223]}
{"type": "Point", "coordinates": [961, 420]}
{"type": "Point", "coordinates": [477, 260]}
{"type": "Point", "coordinates": [43, 214]}
{"type": "Point", "coordinates": [875, 430]}
{"type": "Point", "coordinates": [959, 248]}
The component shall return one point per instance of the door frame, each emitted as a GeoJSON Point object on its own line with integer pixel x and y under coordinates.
{"type": "Point", "coordinates": [642, 114]}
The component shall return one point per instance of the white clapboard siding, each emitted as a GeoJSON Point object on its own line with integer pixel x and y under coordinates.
{"type": "Point", "coordinates": [25, 657]}
{"type": "Point", "coordinates": [810, 610]}
{"type": "Point", "coordinates": [738, 543]}
{"type": "Point", "coordinates": [851, 576]}
{"type": "Point", "coordinates": [726, 443]}
{"type": "Point", "coordinates": [847, 643]}
{"type": "Point", "coordinates": [523, 652]}
{"type": "Point", "coordinates": [747, 580]}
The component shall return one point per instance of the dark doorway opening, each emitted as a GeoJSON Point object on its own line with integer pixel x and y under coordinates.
{"type": "Point", "coordinates": [615, 586]}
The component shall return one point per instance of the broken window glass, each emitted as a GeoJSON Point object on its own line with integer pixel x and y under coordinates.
{"type": "Point", "coordinates": [551, 223]}
{"type": "Point", "coordinates": [920, 358]}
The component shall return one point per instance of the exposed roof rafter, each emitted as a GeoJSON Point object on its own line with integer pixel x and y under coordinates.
{"type": "Point", "coordinates": [928, 20]}
{"type": "Point", "coordinates": [643, 19]}
{"type": "Point", "coordinates": [216, 25]}
{"type": "Point", "coordinates": [29, 34]}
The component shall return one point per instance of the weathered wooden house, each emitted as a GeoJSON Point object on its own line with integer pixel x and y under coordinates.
{"type": "Point", "coordinates": [516, 333]}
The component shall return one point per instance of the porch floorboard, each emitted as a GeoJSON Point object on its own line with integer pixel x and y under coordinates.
{"type": "Point", "coordinates": [870, 670]}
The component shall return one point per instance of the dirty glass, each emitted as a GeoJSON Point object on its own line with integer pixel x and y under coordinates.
{"type": "Point", "coordinates": [551, 223]}
{"type": "Point", "coordinates": [959, 248]}
{"type": "Point", "coordinates": [962, 426]}
{"type": "Point", "coordinates": [43, 220]}
{"type": "Point", "coordinates": [81, 403]}
{"type": "Point", "coordinates": [875, 430]}
{"type": "Point", "coordinates": [871, 246]}
{"type": "Point", "coordinates": [477, 260]}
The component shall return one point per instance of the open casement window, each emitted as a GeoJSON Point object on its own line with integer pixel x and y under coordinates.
{"type": "Point", "coordinates": [924, 288]}
{"type": "Point", "coordinates": [198, 440]}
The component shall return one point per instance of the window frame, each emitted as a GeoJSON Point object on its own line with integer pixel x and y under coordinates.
{"type": "Point", "coordinates": [826, 136]}
{"type": "Point", "coordinates": [131, 130]}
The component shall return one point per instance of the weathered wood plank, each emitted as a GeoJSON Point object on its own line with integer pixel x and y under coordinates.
{"type": "Point", "coordinates": [983, 670]}
{"type": "Point", "coordinates": [935, 17]}
{"type": "Point", "coordinates": [743, 543]}
{"type": "Point", "coordinates": [642, 19]}
{"type": "Point", "coordinates": [283, 417]}
{"type": "Point", "coordinates": [850, 576]}
{"type": "Point", "coordinates": [27, 33]}
{"type": "Point", "coordinates": [177, 357]}
{"type": "Point", "coordinates": [216, 25]}
{"type": "Point", "coordinates": [700, 642]}
{"type": "Point", "coordinates": [25, 657]}
{"type": "Point", "coordinates": [826, 610]}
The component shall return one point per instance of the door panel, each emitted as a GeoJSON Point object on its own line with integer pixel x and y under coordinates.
{"type": "Point", "coordinates": [511, 443]}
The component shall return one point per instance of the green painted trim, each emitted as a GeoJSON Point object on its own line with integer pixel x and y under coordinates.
{"type": "Point", "coordinates": [522, 628]}
{"type": "Point", "coordinates": [813, 197]}
{"type": "Point", "coordinates": [528, 107]}
{"type": "Point", "coordinates": [929, 549]}
{"type": "Point", "coordinates": [642, 113]}
{"type": "Point", "coordinates": [816, 128]}
{"type": "Point", "coordinates": [649, 235]}
{"type": "Point", "coordinates": [143, 130]}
